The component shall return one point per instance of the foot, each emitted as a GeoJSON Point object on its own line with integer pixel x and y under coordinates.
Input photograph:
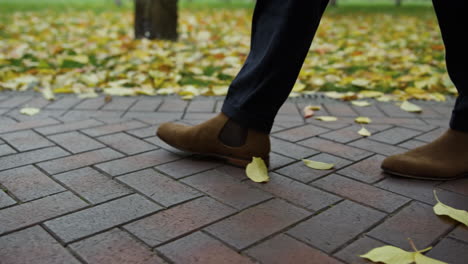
{"type": "Point", "coordinates": [444, 159]}
{"type": "Point", "coordinates": [209, 138]}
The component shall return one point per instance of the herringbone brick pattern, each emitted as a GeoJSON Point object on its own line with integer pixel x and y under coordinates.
{"type": "Point", "coordinates": [87, 181]}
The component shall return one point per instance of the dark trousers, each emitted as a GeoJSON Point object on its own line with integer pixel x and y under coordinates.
{"type": "Point", "coordinates": [282, 32]}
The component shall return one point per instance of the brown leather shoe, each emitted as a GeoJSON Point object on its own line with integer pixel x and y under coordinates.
{"type": "Point", "coordinates": [444, 159]}
{"type": "Point", "coordinates": [204, 139]}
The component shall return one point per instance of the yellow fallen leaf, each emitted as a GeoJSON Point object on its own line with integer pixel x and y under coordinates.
{"type": "Point", "coordinates": [326, 118]}
{"type": "Point", "coordinates": [314, 107]}
{"type": "Point", "coordinates": [442, 209]}
{"type": "Point", "coordinates": [88, 95]}
{"type": "Point", "coordinates": [364, 132]}
{"type": "Point", "coordinates": [257, 170]}
{"type": "Point", "coordinates": [220, 91]}
{"type": "Point", "coordinates": [409, 107]}
{"type": "Point", "coordinates": [119, 91]}
{"type": "Point", "coordinates": [48, 94]}
{"type": "Point", "coordinates": [384, 98]}
{"type": "Point", "coordinates": [308, 112]}
{"type": "Point", "coordinates": [361, 103]}
{"type": "Point", "coordinates": [30, 111]}
{"type": "Point", "coordinates": [318, 165]}
{"type": "Point", "coordinates": [65, 90]}
{"type": "Point", "coordinates": [370, 94]}
{"type": "Point", "coordinates": [389, 255]}
{"type": "Point", "coordinates": [299, 87]}
{"type": "Point", "coordinates": [363, 120]}
{"type": "Point", "coordinates": [394, 255]}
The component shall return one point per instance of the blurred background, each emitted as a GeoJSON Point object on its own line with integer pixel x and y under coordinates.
{"type": "Point", "coordinates": [196, 47]}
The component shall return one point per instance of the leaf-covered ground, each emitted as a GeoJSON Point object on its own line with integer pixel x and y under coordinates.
{"type": "Point", "coordinates": [87, 52]}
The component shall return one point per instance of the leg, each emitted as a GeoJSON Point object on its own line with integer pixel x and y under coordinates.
{"type": "Point", "coordinates": [452, 21]}
{"type": "Point", "coordinates": [282, 32]}
{"type": "Point", "coordinates": [446, 157]}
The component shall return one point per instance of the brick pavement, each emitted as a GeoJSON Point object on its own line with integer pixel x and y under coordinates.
{"type": "Point", "coordinates": [87, 181]}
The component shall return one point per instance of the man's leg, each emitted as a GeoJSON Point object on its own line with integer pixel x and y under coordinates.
{"type": "Point", "coordinates": [282, 32]}
{"type": "Point", "coordinates": [447, 156]}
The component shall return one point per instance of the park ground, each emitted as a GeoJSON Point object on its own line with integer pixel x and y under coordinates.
{"type": "Point", "coordinates": [85, 180]}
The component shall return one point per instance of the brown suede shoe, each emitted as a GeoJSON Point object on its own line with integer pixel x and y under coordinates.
{"type": "Point", "coordinates": [444, 159]}
{"type": "Point", "coordinates": [204, 139]}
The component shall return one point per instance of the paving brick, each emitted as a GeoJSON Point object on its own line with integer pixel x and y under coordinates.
{"type": "Point", "coordinates": [76, 142]}
{"type": "Point", "coordinates": [458, 186]}
{"type": "Point", "coordinates": [126, 143]}
{"type": "Point", "coordinates": [30, 157]}
{"type": "Point", "coordinates": [185, 167]}
{"type": "Point", "coordinates": [158, 142]}
{"type": "Point", "coordinates": [77, 115]}
{"type": "Point", "coordinates": [119, 103]}
{"type": "Point", "coordinates": [417, 189]}
{"type": "Point", "coordinates": [299, 171]}
{"type": "Point", "coordinates": [5, 200]}
{"type": "Point", "coordinates": [227, 189]}
{"type": "Point", "coordinates": [256, 223]}
{"type": "Point", "coordinates": [149, 105]}
{"type": "Point", "coordinates": [368, 170]}
{"type": "Point", "coordinates": [370, 111]}
{"type": "Point", "coordinates": [6, 150]}
{"type": "Point", "coordinates": [28, 125]}
{"type": "Point", "coordinates": [333, 148]}
{"type": "Point", "coordinates": [277, 161]}
{"type": "Point", "coordinates": [395, 111]}
{"type": "Point", "coordinates": [137, 162]}
{"type": "Point", "coordinates": [67, 127]}
{"type": "Point", "coordinates": [438, 122]}
{"type": "Point", "coordinates": [336, 226]}
{"type": "Point", "coordinates": [15, 101]}
{"type": "Point", "coordinates": [101, 217]}
{"type": "Point", "coordinates": [339, 109]}
{"type": "Point", "coordinates": [79, 160]}
{"type": "Point", "coordinates": [377, 147]}
{"type": "Point", "coordinates": [395, 135]}
{"type": "Point", "coordinates": [15, 114]}
{"type": "Point", "coordinates": [419, 127]}
{"type": "Point", "coordinates": [290, 149]}
{"type": "Point", "coordinates": [144, 132]}
{"type": "Point", "coordinates": [288, 109]}
{"type": "Point", "coordinates": [158, 187]}
{"type": "Point", "coordinates": [204, 106]}
{"type": "Point", "coordinates": [6, 120]}
{"type": "Point", "coordinates": [298, 193]}
{"type": "Point", "coordinates": [28, 183]}
{"type": "Point", "coordinates": [33, 245]}
{"type": "Point", "coordinates": [115, 246]}
{"type": "Point", "coordinates": [178, 221]}
{"type": "Point", "coordinates": [26, 214]}
{"type": "Point", "coordinates": [460, 233]}
{"type": "Point", "coordinates": [284, 249]}
{"type": "Point", "coordinates": [199, 116]}
{"type": "Point", "coordinates": [26, 140]}
{"type": "Point", "coordinates": [412, 144]}
{"type": "Point", "coordinates": [113, 128]}
{"type": "Point", "coordinates": [64, 103]}
{"type": "Point", "coordinates": [344, 135]}
{"type": "Point", "coordinates": [450, 251]}
{"type": "Point", "coordinates": [236, 172]}
{"type": "Point", "coordinates": [201, 248]}
{"type": "Point", "coordinates": [362, 193]}
{"type": "Point", "coordinates": [154, 118]}
{"type": "Point", "coordinates": [300, 133]}
{"type": "Point", "coordinates": [433, 135]}
{"type": "Point", "coordinates": [173, 105]}
{"type": "Point", "coordinates": [330, 125]}
{"type": "Point", "coordinates": [91, 104]}
{"type": "Point", "coordinates": [351, 253]}
{"type": "Point", "coordinates": [417, 221]}
{"type": "Point", "coordinates": [37, 102]}
{"type": "Point", "coordinates": [92, 185]}
{"type": "Point", "coordinates": [399, 121]}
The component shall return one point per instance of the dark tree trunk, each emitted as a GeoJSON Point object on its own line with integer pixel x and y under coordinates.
{"type": "Point", "coordinates": [398, 2]}
{"type": "Point", "coordinates": [118, 2]}
{"type": "Point", "coordinates": [156, 19]}
{"type": "Point", "coordinates": [333, 2]}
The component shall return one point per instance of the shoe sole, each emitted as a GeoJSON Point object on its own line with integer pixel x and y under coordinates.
{"type": "Point", "coordinates": [423, 178]}
{"type": "Point", "coordinates": [242, 163]}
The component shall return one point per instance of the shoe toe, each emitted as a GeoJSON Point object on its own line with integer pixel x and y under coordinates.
{"type": "Point", "coordinates": [168, 132]}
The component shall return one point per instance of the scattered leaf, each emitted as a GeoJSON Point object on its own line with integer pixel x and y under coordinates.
{"type": "Point", "coordinates": [326, 118]}
{"type": "Point", "coordinates": [30, 111]}
{"type": "Point", "coordinates": [361, 103]}
{"type": "Point", "coordinates": [409, 107]}
{"type": "Point", "coordinates": [394, 255]}
{"type": "Point", "coordinates": [443, 209]}
{"type": "Point", "coordinates": [257, 170]}
{"type": "Point", "coordinates": [108, 99]}
{"type": "Point", "coordinates": [309, 110]}
{"type": "Point", "coordinates": [363, 120]}
{"type": "Point", "coordinates": [318, 165]}
{"type": "Point", "coordinates": [364, 132]}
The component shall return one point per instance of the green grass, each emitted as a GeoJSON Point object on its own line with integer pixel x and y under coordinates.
{"type": "Point", "coordinates": [344, 6]}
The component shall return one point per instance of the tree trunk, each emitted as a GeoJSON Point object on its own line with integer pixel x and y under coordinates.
{"type": "Point", "coordinates": [398, 2]}
{"type": "Point", "coordinates": [333, 2]}
{"type": "Point", "coordinates": [118, 2]}
{"type": "Point", "coordinates": [156, 19]}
